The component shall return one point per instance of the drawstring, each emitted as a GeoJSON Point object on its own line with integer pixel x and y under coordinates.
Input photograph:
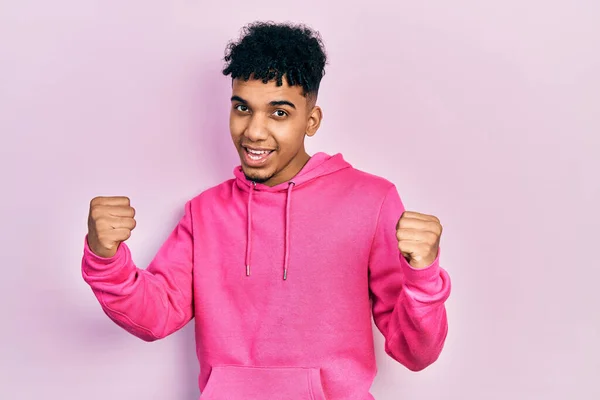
{"type": "Point", "coordinates": [249, 238]}
{"type": "Point", "coordinates": [286, 258]}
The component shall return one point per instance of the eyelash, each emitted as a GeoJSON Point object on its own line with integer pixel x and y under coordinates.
{"type": "Point", "coordinates": [237, 107]}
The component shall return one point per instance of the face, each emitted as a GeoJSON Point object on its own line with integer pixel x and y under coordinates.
{"type": "Point", "coordinates": [268, 124]}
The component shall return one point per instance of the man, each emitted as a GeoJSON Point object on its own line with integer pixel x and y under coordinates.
{"type": "Point", "coordinates": [283, 265]}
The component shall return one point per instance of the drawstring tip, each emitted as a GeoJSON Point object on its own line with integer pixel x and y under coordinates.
{"type": "Point", "coordinates": [247, 270]}
{"type": "Point", "coordinates": [284, 274]}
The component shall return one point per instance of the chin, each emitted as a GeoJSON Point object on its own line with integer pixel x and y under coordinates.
{"type": "Point", "coordinates": [253, 175]}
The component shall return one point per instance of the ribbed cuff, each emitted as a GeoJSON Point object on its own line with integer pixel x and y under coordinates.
{"type": "Point", "coordinates": [420, 276]}
{"type": "Point", "coordinates": [114, 269]}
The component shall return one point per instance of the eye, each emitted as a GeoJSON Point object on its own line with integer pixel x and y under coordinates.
{"type": "Point", "coordinates": [242, 108]}
{"type": "Point", "coordinates": [280, 113]}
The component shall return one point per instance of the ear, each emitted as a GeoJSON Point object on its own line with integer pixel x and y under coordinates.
{"type": "Point", "coordinates": [314, 121]}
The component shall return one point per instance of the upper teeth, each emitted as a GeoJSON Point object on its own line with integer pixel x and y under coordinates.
{"type": "Point", "coordinates": [257, 151]}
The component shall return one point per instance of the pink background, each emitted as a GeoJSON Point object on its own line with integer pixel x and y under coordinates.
{"type": "Point", "coordinates": [484, 113]}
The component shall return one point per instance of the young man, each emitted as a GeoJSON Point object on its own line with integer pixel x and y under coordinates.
{"type": "Point", "coordinates": [283, 265]}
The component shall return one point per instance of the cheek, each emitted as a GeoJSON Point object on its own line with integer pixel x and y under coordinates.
{"type": "Point", "coordinates": [290, 135]}
{"type": "Point", "coordinates": [236, 126]}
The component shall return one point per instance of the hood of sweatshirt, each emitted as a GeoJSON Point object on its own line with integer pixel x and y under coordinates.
{"type": "Point", "coordinates": [319, 165]}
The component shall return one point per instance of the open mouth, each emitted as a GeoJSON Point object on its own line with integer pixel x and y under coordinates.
{"type": "Point", "coordinates": [256, 156]}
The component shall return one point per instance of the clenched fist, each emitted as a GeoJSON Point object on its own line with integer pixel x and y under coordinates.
{"type": "Point", "coordinates": [110, 222]}
{"type": "Point", "coordinates": [418, 238]}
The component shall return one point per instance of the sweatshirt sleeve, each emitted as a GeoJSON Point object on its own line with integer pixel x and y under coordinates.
{"type": "Point", "coordinates": [152, 303]}
{"type": "Point", "coordinates": [408, 303]}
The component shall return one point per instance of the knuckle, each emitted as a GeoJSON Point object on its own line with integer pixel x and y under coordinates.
{"type": "Point", "coordinates": [433, 226]}
{"type": "Point", "coordinates": [432, 237]}
{"type": "Point", "coordinates": [96, 213]}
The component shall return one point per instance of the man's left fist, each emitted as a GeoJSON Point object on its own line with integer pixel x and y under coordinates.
{"type": "Point", "coordinates": [418, 238]}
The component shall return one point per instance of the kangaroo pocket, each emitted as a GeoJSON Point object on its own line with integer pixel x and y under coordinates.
{"type": "Point", "coordinates": [263, 383]}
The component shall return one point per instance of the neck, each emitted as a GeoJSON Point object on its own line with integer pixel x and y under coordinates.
{"type": "Point", "coordinates": [290, 170]}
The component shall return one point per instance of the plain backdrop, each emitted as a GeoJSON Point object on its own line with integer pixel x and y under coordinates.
{"type": "Point", "coordinates": [484, 113]}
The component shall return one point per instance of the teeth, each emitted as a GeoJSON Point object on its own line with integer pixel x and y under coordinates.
{"type": "Point", "coordinates": [257, 152]}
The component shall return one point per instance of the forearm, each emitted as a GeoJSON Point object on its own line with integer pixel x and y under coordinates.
{"type": "Point", "coordinates": [417, 327]}
{"type": "Point", "coordinates": [149, 304]}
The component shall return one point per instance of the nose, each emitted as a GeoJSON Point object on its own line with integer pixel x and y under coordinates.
{"type": "Point", "coordinates": [256, 129]}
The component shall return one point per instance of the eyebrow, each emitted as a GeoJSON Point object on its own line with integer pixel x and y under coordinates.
{"type": "Point", "coordinates": [274, 103]}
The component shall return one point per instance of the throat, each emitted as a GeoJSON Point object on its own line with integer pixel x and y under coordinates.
{"type": "Point", "coordinates": [288, 172]}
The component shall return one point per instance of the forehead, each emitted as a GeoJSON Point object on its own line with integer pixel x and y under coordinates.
{"type": "Point", "coordinates": [255, 91]}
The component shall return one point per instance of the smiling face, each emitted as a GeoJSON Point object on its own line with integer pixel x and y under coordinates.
{"type": "Point", "coordinates": [268, 124]}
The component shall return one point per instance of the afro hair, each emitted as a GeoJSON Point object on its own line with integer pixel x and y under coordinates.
{"type": "Point", "coordinates": [271, 51]}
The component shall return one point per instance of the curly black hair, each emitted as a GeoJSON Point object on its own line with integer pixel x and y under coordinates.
{"type": "Point", "coordinates": [270, 51]}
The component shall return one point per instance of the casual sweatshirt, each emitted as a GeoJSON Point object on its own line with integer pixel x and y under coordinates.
{"type": "Point", "coordinates": [282, 283]}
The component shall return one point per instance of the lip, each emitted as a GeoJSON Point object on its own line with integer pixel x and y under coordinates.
{"type": "Point", "coordinates": [250, 162]}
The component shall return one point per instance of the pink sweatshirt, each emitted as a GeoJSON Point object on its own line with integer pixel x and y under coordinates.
{"type": "Point", "coordinates": [282, 282]}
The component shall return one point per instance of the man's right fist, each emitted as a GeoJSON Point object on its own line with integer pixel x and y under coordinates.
{"type": "Point", "coordinates": [110, 222]}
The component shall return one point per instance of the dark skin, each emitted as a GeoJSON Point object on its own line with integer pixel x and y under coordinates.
{"type": "Point", "coordinates": [267, 117]}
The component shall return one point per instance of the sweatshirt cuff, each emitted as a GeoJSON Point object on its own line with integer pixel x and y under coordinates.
{"type": "Point", "coordinates": [417, 276]}
{"type": "Point", "coordinates": [115, 268]}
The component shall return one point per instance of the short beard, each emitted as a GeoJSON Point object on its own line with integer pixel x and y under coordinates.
{"type": "Point", "coordinates": [257, 179]}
